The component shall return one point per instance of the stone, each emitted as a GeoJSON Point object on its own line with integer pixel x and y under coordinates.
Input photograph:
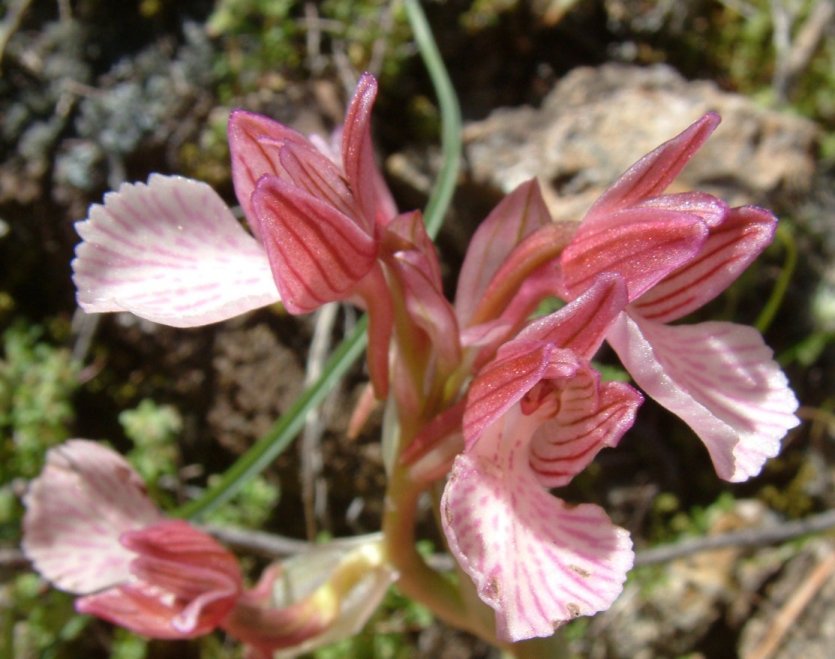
{"type": "Point", "coordinates": [598, 121]}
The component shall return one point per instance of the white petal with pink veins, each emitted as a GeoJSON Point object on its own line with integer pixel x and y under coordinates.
{"type": "Point", "coordinates": [172, 252]}
{"type": "Point", "coordinates": [76, 510]}
{"type": "Point", "coordinates": [720, 378]}
{"type": "Point", "coordinates": [536, 560]}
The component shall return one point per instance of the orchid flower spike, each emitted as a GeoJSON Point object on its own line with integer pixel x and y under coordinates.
{"type": "Point", "coordinates": [91, 530]}
{"type": "Point", "coordinates": [317, 212]}
{"type": "Point", "coordinates": [677, 252]}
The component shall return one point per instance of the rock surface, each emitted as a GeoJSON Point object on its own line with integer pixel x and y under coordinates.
{"type": "Point", "coordinates": [598, 121]}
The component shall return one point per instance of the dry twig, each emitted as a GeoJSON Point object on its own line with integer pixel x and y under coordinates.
{"type": "Point", "coordinates": [11, 22]}
{"type": "Point", "coordinates": [759, 537]}
{"type": "Point", "coordinates": [789, 614]}
{"type": "Point", "coordinates": [314, 488]}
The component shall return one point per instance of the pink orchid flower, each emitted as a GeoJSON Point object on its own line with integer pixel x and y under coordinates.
{"type": "Point", "coordinates": [536, 416]}
{"type": "Point", "coordinates": [171, 250]}
{"type": "Point", "coordinates": [677, 252]}
{"type": "Point", "coordinates": [91, 530]}
{"type": "Point", "coordinates": [317, 211]}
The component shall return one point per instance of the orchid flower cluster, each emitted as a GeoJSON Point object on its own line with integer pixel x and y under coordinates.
{"type": "Point", "coordinates": [484, 396]}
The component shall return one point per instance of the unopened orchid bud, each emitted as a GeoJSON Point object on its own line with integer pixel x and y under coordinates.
{"type": "Point", "coordinates": [312, 599]}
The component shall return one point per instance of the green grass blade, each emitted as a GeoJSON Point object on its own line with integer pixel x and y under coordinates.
{"type": "Point", "coordinates": [279, 437]}
{"type": "Point", "coordinates": [781, 286]}
{"type": "Point", "coordinates": [444, 188]}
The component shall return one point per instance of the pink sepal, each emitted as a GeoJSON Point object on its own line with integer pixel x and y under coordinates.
{"type": "Point", "coordinates": [710, 209]}
{"type": "Point", "coordinates": [533, 252]}
{"type": "Point", "coordinates": [642, 245]}
{"type": "Point", "coordinates": [172, 252]}
{"type": "Point", "coordinates": [730, 247]}
{"type": "Point", "coordinates": [582, 324]}
{"type": "Point", "coordinates": [502, 383]}
{"type": "Point", "coordinates": [720, 378]}
{"type": "Point", "coordinates": [651, 175]}
{"type": "Point", "coordinates": [314, 173]}
{"type": "Point", "coordinates": [255, 144]}
{"type": "Point", "coordinates": [428, 308]}
{"type": "Point", "coordinates": [358, 153]}
{"type": "Point", "coordinates": [317, 254]}
{"type": "Point", "coordinates": [517, 216]}
{"type": "Point", "coordinates": [411, 257]}
{"type": "Point", "coordinates": [407, 233]}
{"type": "Point", "coordinates": [376, 296]}
{"type": "Point", "coordinates": [183, 583]}
{"type": "Point", "coordinates": [85, 498]}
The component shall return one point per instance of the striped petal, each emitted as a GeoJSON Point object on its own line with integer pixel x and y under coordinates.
{"type": "Point", "coordinates": [730, 247]}
{"type": "Point", "coordinates": [536, 353]}
{"type": "Point", "coordinates": [86, 497]}
{"type": "Point", "coordinates": [172, 252]}
{"type": "Point", "coordinates": [317, 254]}
{"type": "Point", "coordinates": [516, 217]}
{"type": "Point", "coordinates": [591, 417]}
{"type": "Point", "coordinates": [358, 154]}
{"type": "Point", "coordinates": [255, 144]}
{"type": "Point", "coordinates": [651, 175]}
{"type": "Point", "coordinates": [642, 245]}
{"type": "Point", "coordinates": [720, 378]}
{"type": "Point", "coordinates": [537, 561]}
{"type": "Point", "coordinates": [183, 583]}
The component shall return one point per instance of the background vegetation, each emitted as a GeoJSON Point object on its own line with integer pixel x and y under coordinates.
{"type": "Point", "coordinates": [95, 93]}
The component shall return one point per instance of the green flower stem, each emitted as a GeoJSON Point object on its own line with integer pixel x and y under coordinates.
{"type": "Point", "coordinates": [416, 579]}
{"type": "Point", "coordinates": [441, 195]}
{"type": "Point", "coordinates": [278, 438]}
{"type": "Point", "coordinates": [781, 286]}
